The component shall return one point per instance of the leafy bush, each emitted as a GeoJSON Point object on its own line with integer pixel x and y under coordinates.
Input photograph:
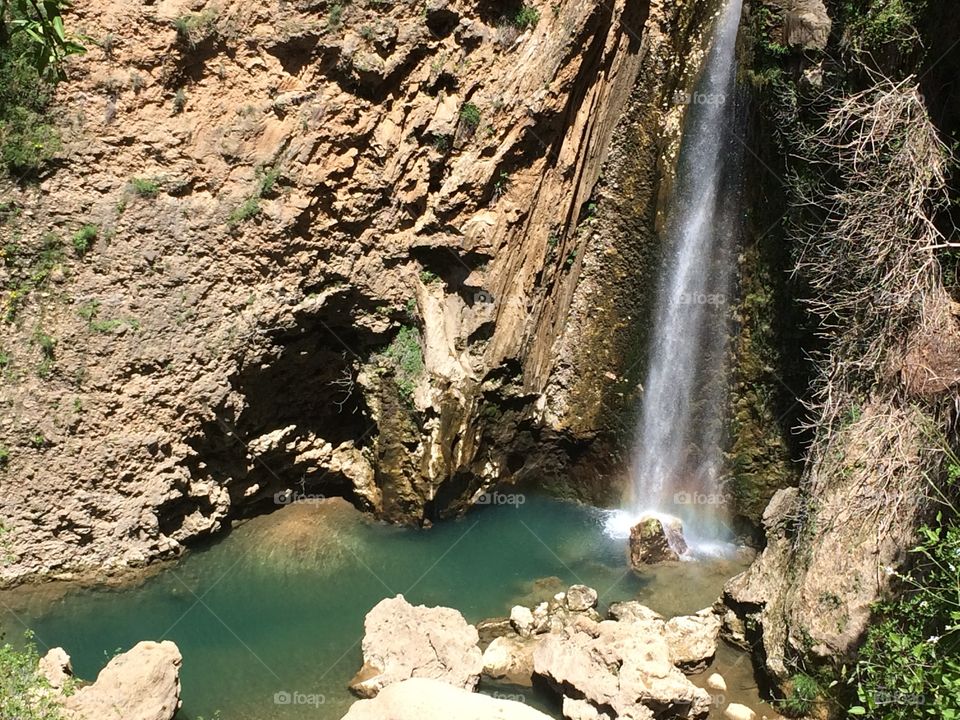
{"type": "Point", "coordinates": [144, 187]}
{"type": "Point", "coordinates": [406, 355]}
{"type": "Point", "coordinates": [909, 667]}
{"type": "Point", "coordinates": [249, 209]}
{"type": "Point", "coordinates": [83, 239]}
{"type": "Point", "coordinates": [804, 693]}
{"type": "Point", "coordinates": [4, 456]}
{"type": "Point", "coordinates": [470, 116]}
{"type": "Point", "coordinates": [22, 687]}
{"type": "Point", "coordinates": [526, 17]}
{"type": "Point", "coordinates": [27, 141]}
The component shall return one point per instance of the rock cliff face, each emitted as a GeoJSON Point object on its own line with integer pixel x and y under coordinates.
{"type": "Point", "coordinates": [321, 248]}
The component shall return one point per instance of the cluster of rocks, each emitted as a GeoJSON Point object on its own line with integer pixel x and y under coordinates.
{"type": "Point", "coordinates": [141, 684]}
{"type": "Point", "coordinates": [422, 662]}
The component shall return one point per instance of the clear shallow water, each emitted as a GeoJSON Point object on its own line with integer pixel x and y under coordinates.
{"type": "Point", "coordinates": [278, 605]}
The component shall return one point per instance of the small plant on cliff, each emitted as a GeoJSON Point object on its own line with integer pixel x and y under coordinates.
{"type": "Point", "coordinates": [406, 356]}
{"type": "Point", "coordinates": [4, 457]}
{"type": "Point", "coordinates": [144, 187]}
{"type": "Point", "coordinates": [470, 116]}
{"type": "Point", "coordinates": [804, 694]}
{"type": "Point", "coordinates": [196, 28]}
{"type": "Point", "coordinates": [83, 239]}
{"type": "Point", "coordinates": [526, 17]}
{"type": "Point", "coordinates": [23, 690]}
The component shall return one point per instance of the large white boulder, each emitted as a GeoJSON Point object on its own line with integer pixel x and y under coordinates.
{"type": "Point", "coordinates": [402, 641]}
{"type": "Point", "coordinates": [141, 684]}
{"type": "Point", "coordinates": [426, 699]}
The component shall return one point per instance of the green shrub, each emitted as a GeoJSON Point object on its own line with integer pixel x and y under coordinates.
{"type": "Point", "coordinates": [22, 685]}
{"type": "Point", "coordinates": [27, 140]}
{"type": "Point", "coordinates": [4, 456]}
{"type": "Point", "coordinates": [249, 209]}
{"type": "Point", "coordinates": [196, 28]}
{"type": "Point", "coordinates": [909, 666]}
{"type": "Point", "coordinates": [470, 116]}
{"type": "Point", "coordinates": [526, 17]}
{"type": "Point", "coordinates": [335, 19]}
{"type": "Point", "coordinates": [83, 239]}
{"type": "Point", "coordinates": [144, 187]}
{"type": "Point", "coordinates": [427, 277]}
{"type": "Point", "coordinates": [804, 694]}
{"type": "Point", "coordinates": [406, 356]}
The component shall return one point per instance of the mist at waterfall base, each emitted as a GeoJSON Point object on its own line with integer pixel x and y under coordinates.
{"type": "Point", "coordinates": [676, 469]}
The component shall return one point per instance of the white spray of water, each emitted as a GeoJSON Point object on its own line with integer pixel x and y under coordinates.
{"type": "Point", "coordinates": [676, 463]}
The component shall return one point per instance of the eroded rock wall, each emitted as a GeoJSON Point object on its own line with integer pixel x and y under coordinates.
{"type": "Point", "coordinates": [333, 248]}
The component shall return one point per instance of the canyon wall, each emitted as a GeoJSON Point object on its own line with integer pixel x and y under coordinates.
{"type": "Point", "coordinates": [313, 248]}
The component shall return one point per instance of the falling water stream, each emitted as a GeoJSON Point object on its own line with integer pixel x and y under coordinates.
{"type": "Point", "coordinates": [676, 464]}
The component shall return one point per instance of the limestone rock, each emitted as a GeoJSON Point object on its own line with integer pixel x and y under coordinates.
{"type": "Point", "coordinates": [806, 24]}
{"type": "Point", "coordinates": [55, 667]}
{"type": "Point", "coordinates": [510, 659]}
{"type": "Point", "coordinates": [692, 639]}
{"type": "Point", "coordinates": [655, 540]}
{"type": "Point", "coordinates": [736, 711]}
{"type": "Point", "coordinates": [141, 684]}
{"type": "Point", "coordinates": [522, 620]}
{"type": "Point", "coordinates": [716, 682]}
{"type": "Point", "coordinates": [579, 598]}
{"type": "Point", "coordinates": [574, 709]}
{"type": "Point", "coordinates": [402, 641]}
{"type": "Point", "coordinates": [426, 699]}
{"type": "Point", "coordinates": [620, 668]}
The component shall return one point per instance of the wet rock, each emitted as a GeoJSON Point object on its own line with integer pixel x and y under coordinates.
{"type": "Point", "coordinates": [692, 639]}
{"type": "Point", "coordinates": [402, 641]}
{"type": "Point", "coordinates": [141, 684]}
{"type": "Point", "coordinates": [631, 610]}
{"type": "Point", "coordinates": [621, 667]}
{"type": "Point", "coordinates": [806, 24]}
{"type": "Point", "coordinates": [716, 682]}
{"type": "Point", "coordinates": [736, 711]}
{"type": "Point", "coordinates": [492, 628]}
{"type": "Point", "coordinates": [654, 540]}
{"type": "Point", "coordinates": [55, 666]}
{"type": "Point", "coordinates": [425, 699]}
{"type": "Point", "coordinates": [510, 659]}
{"type": "Point", "coordinates": [580, 598]}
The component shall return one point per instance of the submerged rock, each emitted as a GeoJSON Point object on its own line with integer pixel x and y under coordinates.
{"type": "Point", "coordinates": [510, 659]}
{"type": "Point", "coordinates": [736, 711]}
{"type": "Point", "coordinates": [580, 598]}
{"type": "Point", "coordinates": [141, 684]}
{"type": "Point", "coordinates": [402, 641]}
{"type": "Point", "coordinates": [655, 539]}
{"type": "Point", "coordinates": [426, 699]}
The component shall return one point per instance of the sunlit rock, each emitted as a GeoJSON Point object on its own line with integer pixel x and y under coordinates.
{"type": "Point", "coordinates": [141, 684]}
{"type": "Point", "coordinates": [656, 539]}
{"type": "Point", "coordinates": [425, 699]}
{"type": "Point", "coordinates": [402, 641]}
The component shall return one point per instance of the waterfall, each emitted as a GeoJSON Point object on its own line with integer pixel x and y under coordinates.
{"type": "Point", "coordinates": [676, 463]}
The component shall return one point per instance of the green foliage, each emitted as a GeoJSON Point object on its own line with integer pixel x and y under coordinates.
{"type": "Point", "coordinates": [4, 456]}
{"type": "Point", "coordinates": [249, 209]}
{"type": "Point", "coordinates": [35, 31]}
{"type": "Point", "coordinates": [266, 184]}
{"type": "Point", "coordinates": [196, 28]}
{"type": "Point", "coordinates": [144, 187]}
{"type": "Point", "coordinates": [909, 667]}
{"type": "Point", "coordinates": [27, 140]}
{"type": "Point", "coordinates": [46, 343]}
{"type": "Point", "coordinates": [526, 17]}
{"type": "Point", "coordinates": [83, 239]}
{"type": "Point", "coordinates": [335, 18]}
{"type": "Point", "coordinates": [470, 116]}
{"type": "Point", "coordinates": [876, 23]}
{"type": "Point", "coordinates": [427, 277]}
{"type": "Point", "coordinates": [22, 685]}
{"type": "Point", "coordinates": [804, 694]}
{"type": "Point", "coordinates": [406, 356]}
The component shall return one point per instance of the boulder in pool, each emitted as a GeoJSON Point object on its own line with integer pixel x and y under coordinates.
{"type": "Point", "coordinates": [426, 699]}
{"type": "Point", "coordinates": [402, 641]}
{"type": "Point", "coordinates": [141, 684]}
{"type": "Point", "coordinates": [619, 667]}
{"type": "Point", "coordinates": [656, 539]}
{"type": "Point", "coordinates": [693, 639]}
